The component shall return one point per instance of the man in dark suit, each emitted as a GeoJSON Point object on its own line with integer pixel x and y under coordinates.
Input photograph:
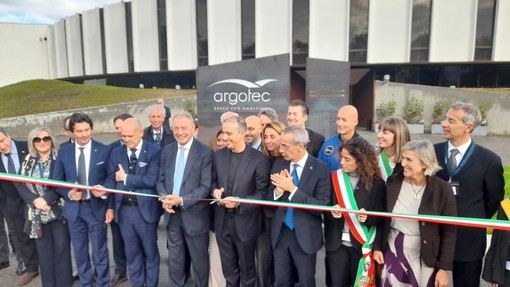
{"type": "Point", "coordinates": [134, 167]}
{"type": "Point", "coordinates": [296, 235]}
{"type": "Point", "coordinates": [119, 256]}
{"type": "Point", "coordinates": [13, 153]}
{"type": "Point", "coordinates": [184, 179]}
{"type": "Point", "coordinates": [297, 115]}
{"type": "Point", "coordinates": [476, 176]}
{"type": "Point", "coordinates": [168, 113]}
{"type": "Point", "coordinates": [85, 162]}
{"type": "Point", "coordinates": [157, 133]}
{"type": "Point", "coordinates": [239, 171]}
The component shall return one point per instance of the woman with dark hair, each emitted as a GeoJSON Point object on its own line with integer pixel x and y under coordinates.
{"type": "Point", "coordinates": [358, 186]}
{"type": "Point", "coordinates": [392, 136]}
{"type": "Point", "coordinates": [417, 253]}
{"type": "Point", "coordinates": [45, 221]}
{"type": "Point", "coordinates": [221, 142]}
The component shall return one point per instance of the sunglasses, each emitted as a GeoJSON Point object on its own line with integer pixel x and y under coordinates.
{"type": "Point", "coordinates": [44, 139]}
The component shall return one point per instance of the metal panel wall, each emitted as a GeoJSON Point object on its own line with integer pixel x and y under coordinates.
{"type": "Point", "coordinates": [273, 27]}
{"type": "Point", "coordinates": [329, 30]}
{"type": "Point", "coordinates": [452, 31]}
{"type": "Point", "coordinates": [74, 46]}
{"type": "Point", "coordinates": [60, 50]}
{"type": "Point", "coordinates": [389, 31]}
{"type": "Point", "coordinates": [501, 48]}
{"type": "Point", "coordinates": [181, 27]}
{"type": "Point", "coordinates": [115, 39]}
{"type": "Point", "coordinates": [92, 50]}
{"type": "Point", "coordinates": [224, 31]}
{"type": "Point", "coordinates": [145, 35]}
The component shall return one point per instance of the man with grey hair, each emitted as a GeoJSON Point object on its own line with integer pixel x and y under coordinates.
{"type": "Point", "coordinates": [239, 171]}
{"type": "Point", "coordinates": [267, 115]}
{"type": "Point", "coordinates": [476, 176]}
{"type": "Point", "coordinates": [296, 235]}
{"type": "Point", "coordinates": [212, 143]}
{"type": "Point", "coordinates": [157, 133]}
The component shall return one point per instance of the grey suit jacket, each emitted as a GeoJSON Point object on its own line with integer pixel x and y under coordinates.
{"type": "Point", "coordinates": [196, 184]}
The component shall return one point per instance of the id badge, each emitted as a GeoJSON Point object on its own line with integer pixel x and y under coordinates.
{"type": "Point", "coordinates": [346, 236]}
{"type": "Point", "coordinates": [455, 187]}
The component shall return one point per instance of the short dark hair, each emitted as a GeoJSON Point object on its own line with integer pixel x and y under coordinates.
{"type": "Point", "coordinates": [79, 118]}
{"type": "Point", "coordinates": [300, 103]}
{"type": "Point", "coordinates": [122, 117]}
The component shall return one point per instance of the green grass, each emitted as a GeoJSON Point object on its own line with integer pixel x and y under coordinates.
{"type": "Point", "coordinates": [506, 174]}
{"type": "Point", "coordinates": [42, 96]}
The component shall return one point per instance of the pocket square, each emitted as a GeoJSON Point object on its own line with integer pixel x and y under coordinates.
{"type": "Point", "coordinates": [99, 163]}
{"type": "Point", "coordinates": [142, 164]}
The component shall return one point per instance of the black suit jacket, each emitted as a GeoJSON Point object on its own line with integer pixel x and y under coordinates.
{"type": "Point", "coordinates": [15, 204]}
{"type": "Point", "coordinates": [495, 261]}
{"type": "Point", "coordinates": [315, 144]}
{"type": "Point", "coordinates": [313, 188]}
{"type": "Point", "coordinates": [372, 200]}
{"type": "Point", "coordinates": [481, 189]}
{"type": "Point", "coordinates": [166, 138]}
{"type": "Point", "coordinates": [196, 184]}
{"type": "Point", "coordinates": [251, 181]}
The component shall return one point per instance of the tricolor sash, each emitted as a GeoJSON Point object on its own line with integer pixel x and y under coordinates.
{"type": "Point", "coordinates": [384, 164]}
{"type": "Point", "coordinates": [365, 277]}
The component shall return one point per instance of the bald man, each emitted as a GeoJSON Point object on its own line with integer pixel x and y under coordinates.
{"type": "Point", "coordinates": [346, 122]}
{"type": "Point", "coordinates": [252, 136]}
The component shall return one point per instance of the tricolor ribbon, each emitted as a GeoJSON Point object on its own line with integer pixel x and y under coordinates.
{"type": "Point", "coordinates": [459, 221]}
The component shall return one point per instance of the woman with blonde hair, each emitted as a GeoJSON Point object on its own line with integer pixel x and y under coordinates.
{"type": "Point", "coordinates": [271, 140]}
{"type": "Point", "coordinates": [45, 222]}
{"type": "Point", "coordinates": [417, 253]}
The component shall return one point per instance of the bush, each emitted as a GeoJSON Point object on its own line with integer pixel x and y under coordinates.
{"type": "Point", "coordinates": [440, 108]}
{"type": "Point", "coordinates": [414, 111]}
{"type": "Point", "coordinates": [385, 110]}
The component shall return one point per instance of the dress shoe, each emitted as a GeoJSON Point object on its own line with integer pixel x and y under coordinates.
{"type": "Point", "coordinates": [4, 265]}
{"type": "Point", "coordinates": [26, 278]}
{"type": "Point", "coordinates": [117, 279]}
{"type": "Point", "coordinates": [22, 268]}
{"type": "Point", "coordinates": [76, 276]}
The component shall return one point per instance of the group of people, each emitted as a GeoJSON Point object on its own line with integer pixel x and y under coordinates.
{"type": "Point", "coordinates": [202, 191]}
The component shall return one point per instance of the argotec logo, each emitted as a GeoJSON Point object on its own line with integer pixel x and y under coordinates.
{"type": "Point", "coordinates": [233, 98]}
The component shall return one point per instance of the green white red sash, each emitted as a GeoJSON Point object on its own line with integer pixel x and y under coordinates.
{"type": "Point", "coordinates": [364, 235]}
{"type": "Point", "coordinates": [384, 164]}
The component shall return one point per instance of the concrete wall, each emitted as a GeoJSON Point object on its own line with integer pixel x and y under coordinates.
{"type": "Point", "coordinates": [23, 53]}
{"type": "Point", "coordinates": [19, 127]}
{"type": "Point", "coordinates": [499, 104]}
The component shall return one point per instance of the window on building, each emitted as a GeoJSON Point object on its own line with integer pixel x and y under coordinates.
{"type": "Point", "coordinates": [484, 30]}
{"type": "Point", "coordinates": [129, 37]}
{"type": "Point", "coordinates": [202, 44]}
{"type": "Point", "coordinates": [163, 52]}
{"type": "Point", "coordinates": [248, 28]}
{"type": "Point", "coordinates": [358, 31]}
{"type": "Point", "coordinates": [300, 31]}
{"type": "Point", "coordinates": [420, 31]}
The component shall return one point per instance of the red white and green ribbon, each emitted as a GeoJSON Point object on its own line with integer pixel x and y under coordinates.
{"type": "Point", "coordinates": [384, 164]}
{"type": "Point", "coordinates": [453, 220]}
{"type": "Point", "coordinates": [364, 235]}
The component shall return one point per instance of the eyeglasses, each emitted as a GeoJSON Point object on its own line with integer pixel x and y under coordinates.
{"type": "Point", "coordinates": [286, 147]}
{"type": "Point", "coordinates": [44, 139]}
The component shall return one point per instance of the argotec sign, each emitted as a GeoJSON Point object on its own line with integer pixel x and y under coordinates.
{"type": "Point", "coordinates": [244, 87]}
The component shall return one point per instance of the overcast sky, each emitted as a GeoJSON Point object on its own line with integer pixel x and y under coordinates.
{"type": "Point", "coordinates": [45, 11]}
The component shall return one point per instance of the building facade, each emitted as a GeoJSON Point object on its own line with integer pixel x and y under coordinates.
{"type": "Point", "coordinates": [463, 43]}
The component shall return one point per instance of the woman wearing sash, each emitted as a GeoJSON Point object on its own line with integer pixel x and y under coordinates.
{"type": "Point", "coordinates": [417, 253]}
{"type": "Point", "coordinates": [357, 185]}
{"type": "Point", "coordinates": [44, 221]}
{"type": "Point", "coordinates": [392, 136]}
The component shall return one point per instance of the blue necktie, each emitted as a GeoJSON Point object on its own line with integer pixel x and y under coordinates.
{"type": "Point", "coordinates": [11, 168]}
{"type": "Point", "coordinates": [289, 217]}
{"type": "Point", "coordinates": [157, 139]}
{"type": "Point", "coordinates": [132, 161]}
{"type": "Point", "coordinates": [179, 171]}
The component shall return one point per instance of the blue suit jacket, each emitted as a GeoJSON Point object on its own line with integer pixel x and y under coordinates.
{"type": "Point", "coordinates": [143, 180]}
{"type": "Point", "coordinates": [251, 181]}
{"type": "Point", "coordinates": [313, 188]}
{"type": "Point", "coordinates": [196, 184]}
{"type": "Point", "coordinates": [15, 205]}
{"type": "Point", "coordinates": [65, 170]}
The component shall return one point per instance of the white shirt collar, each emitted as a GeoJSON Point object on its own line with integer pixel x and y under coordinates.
{"type": "Point", "coordinates": [462, 148]}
